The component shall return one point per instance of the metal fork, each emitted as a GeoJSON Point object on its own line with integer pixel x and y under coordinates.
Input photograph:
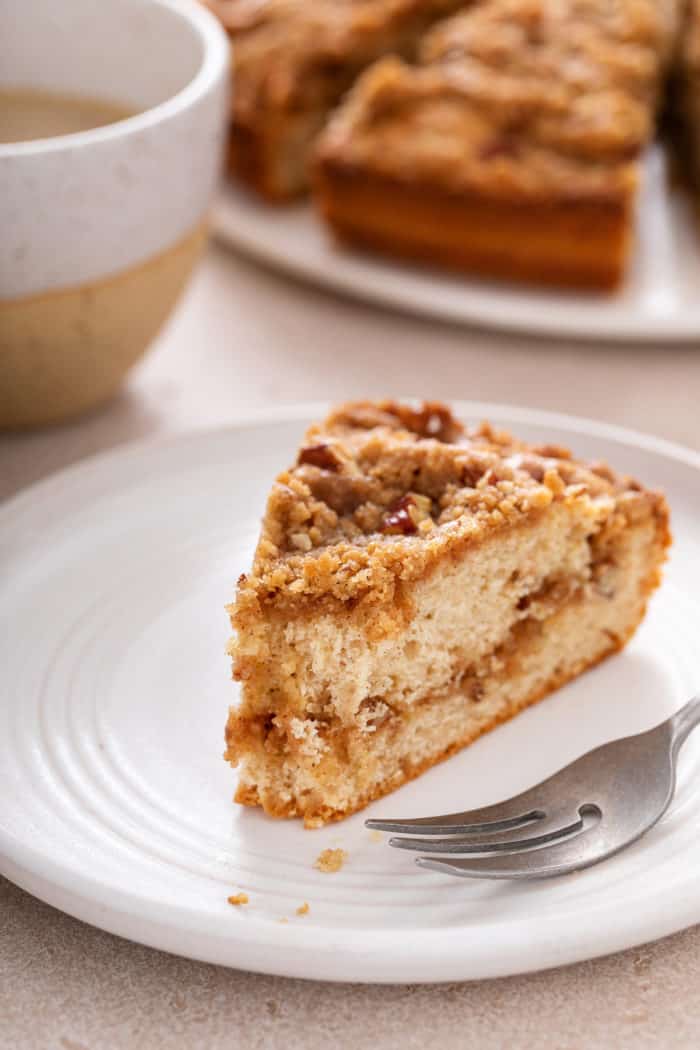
{"type": "Point", "coordinates": [589, 810]}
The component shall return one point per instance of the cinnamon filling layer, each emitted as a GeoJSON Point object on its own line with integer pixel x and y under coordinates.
{"type": "Point", "coordinates": [314, 738]}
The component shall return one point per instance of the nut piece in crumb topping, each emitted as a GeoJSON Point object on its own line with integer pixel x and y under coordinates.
{"type": "Point", "coordinates": [405, 515]}
{"type": "Point", "coordinates": [331, 860]}
{"type": "Point", "coordinates": [321, 455]}
{"type": "Point", "coordinates": [238, 898]}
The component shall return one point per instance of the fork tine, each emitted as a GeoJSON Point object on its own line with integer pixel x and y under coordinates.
{"type": "Point", "coordinates": [511, 813]}
{"type": "Point", "coordinates": [541, 831]}
{"type": "Point", "coordinates": [587, 848]}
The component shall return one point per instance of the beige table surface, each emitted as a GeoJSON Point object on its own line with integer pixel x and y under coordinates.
{"type": "Point", "coordinates": [242, 339]}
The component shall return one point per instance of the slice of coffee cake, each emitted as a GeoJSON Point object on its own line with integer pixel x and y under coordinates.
{"type": "Point", "coordinates": [415, 584]}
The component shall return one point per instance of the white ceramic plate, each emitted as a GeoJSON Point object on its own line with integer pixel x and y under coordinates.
{"type": "Point", "coordinates": [658, 301]}
{"type": "Point", "coordinates": [115, 802]}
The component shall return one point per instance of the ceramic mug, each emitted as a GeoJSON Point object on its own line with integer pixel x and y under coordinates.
{"type": "Point", "coordinates": [99, 230]}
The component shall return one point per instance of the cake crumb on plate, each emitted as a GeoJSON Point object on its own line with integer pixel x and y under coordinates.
{"type": "Point", "coordinates": [238, 898]}
{"type": "Point", "coordinates": [303, 909]}
{"type": "Point", "coordinates": [331, 860]}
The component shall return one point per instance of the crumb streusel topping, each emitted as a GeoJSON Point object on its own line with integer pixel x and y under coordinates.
{"type": "Point", "coordinates": [291, 53]}
{"type": "Point", "coordinates": [519, 96]}
{"type": "Point", "coordinates": [380, 491]}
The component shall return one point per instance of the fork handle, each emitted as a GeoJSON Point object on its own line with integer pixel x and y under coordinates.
{"type": "Point", "coordinates": [683, 722]}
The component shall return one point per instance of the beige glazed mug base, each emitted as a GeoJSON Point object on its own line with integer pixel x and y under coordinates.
{"type": "Point", "coordinates": [67, 351]}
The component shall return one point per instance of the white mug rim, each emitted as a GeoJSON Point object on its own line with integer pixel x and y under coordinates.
{"type": "Point", "coordinates": [214, 60]}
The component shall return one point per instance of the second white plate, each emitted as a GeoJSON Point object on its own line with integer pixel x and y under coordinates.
{"type": "Point", "coordinates": [658, 302]}
{"type": "Point", "coordinates": [115, 802]}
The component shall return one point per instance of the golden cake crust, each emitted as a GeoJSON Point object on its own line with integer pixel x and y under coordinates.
{"type": "Point", "coordinates": [570, 243]}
